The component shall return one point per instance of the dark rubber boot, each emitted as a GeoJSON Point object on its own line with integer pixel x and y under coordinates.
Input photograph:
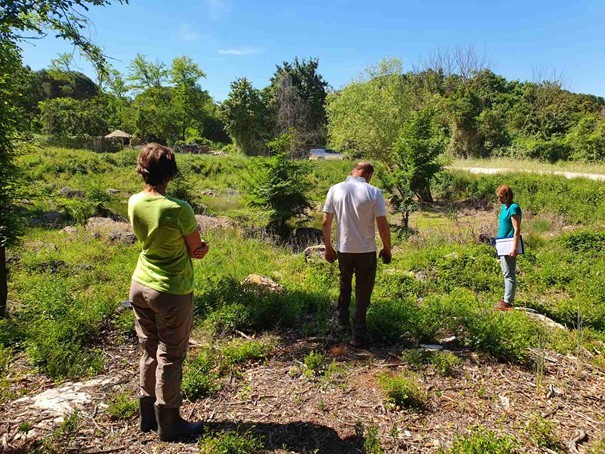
{"type": "Point", "coordinates": [171, 426]}
{"type": "Point", "coordinates": [361, 337]}
{"type": "Point", "coordinates": [147, 414]}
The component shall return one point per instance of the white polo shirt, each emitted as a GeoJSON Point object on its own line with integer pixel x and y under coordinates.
{"type": "Point", "coordinates": [355, 204]}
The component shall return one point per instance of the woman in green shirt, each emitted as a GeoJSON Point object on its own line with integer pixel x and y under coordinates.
{"type": "Point", "coordinates": [161, 292]}
{"type": "Point", "coordinates": [509, 227]}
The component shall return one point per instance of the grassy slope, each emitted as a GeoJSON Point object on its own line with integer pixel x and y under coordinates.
{"type": "Point", "coordinates": [64, 288]}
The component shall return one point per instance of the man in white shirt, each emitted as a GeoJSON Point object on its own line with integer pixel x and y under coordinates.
{"type": "Point", "coordinates": [355, 204]}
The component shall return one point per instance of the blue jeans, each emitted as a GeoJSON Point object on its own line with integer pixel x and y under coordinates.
{"type": "Point", "coordinates": [509, 271]}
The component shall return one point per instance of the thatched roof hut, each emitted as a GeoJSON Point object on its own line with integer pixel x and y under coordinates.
{"type": "Point", "coordinates": [118, 134]}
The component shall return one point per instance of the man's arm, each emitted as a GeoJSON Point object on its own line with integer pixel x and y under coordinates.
{"type": "Point", "coordinates": [385, 235]}
{"type": "Point", "coordinates": [326, 228]}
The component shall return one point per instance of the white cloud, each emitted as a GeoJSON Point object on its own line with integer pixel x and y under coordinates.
{"type": "Point", "coordinates": [186, 33]}
{"type": "Point", "coordinates": [218, 9]}
{"type": "Point", "coordinates": [240, 51]}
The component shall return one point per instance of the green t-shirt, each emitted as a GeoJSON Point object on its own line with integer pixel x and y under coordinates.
{"type": "Point", "coordinates": [160, 223]}
{"type": "Point", "coordinates": [505, 227]}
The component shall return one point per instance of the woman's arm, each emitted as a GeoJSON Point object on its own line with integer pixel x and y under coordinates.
{"type": "Point", "coordinates": [516, 221]}
{"type": "Point", "coordinates": [197, 247]}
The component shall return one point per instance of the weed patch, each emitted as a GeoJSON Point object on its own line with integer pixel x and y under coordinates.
{"type": "Point", "coordinates": [230, 443]}
{"type": "Point", "coordinates": [122, 405]}
{"type": "Point", "coordinates": [404, 390]}
{"type": "Point", "coordinates": [481, 441]}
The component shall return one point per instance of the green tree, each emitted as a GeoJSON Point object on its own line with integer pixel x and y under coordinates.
{"type": "Point", "coordinates": [587, 139]}
{"type": "Point", "coordinates": [281, 187]}
{"type": "Point", "coordinates": [366, 116]}
{"type": "Point", "coordinates": [190, 103]}
{"type": "Point", "coordinates": [72, 117]}
{"type": "Point", "coordinates": [19, 19]}
{"type": "Point", "coordinates": [296, 99]}
{"type": "Point", "coordinates": [246, 117]}
{"type": "Point", "coordinates": [413, 162]}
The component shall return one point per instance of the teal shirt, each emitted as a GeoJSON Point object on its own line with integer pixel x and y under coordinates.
{"type": "Point", "coordinates": [505, 226]}
{"type": "Point", "coordinates": [160, 223]}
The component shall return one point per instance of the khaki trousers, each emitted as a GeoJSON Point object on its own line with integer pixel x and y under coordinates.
{"type": "Point", "coordinates": [163, 324]}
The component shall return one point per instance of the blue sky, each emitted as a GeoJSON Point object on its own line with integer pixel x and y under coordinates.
{"type": "Point", "coordinates": [237, 38]}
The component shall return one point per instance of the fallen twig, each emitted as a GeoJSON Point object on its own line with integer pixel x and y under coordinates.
{"type": "Point", "coordinates": [580, 437]}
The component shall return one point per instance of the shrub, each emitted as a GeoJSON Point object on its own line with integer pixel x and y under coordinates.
{"type": "Point", "coordinates": [506, 336]}
{"type": "Point", "coordinates": [585, 241]}
{"type": "Point", "coordinates": [371, 442]}
{"type": "Point", "coordinates": [445, 363]}
{"type": "Point", "coordinates": [541, 433]}
{"type": "Point", "coordinates": [280, 188]}
{"type": "Point", "coordinates": [240, 350]}
{"type": "Point", "coordinates": [122, 406]}
{"type": "Point", "coordinates": [230, 443]}
{"type": "Point", "coordinates": [199, 378]}
{"type": "Point", "coordinates": [404, 390]}
{"type": "Point", "coordinates": [314, 363]}
{"type": "Point", "coordinates": [481, 441]}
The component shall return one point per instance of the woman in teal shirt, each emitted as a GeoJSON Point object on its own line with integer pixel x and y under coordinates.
{"type": "Point", "coordinates": [161, 292]}
{"type": "Point", "coordinates": [509, 227]}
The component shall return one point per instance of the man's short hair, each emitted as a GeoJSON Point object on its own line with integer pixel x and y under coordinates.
{"type": "Point", "coordinates": [156, 164]}
{"type": "Point", "coordinates": [365, 167]}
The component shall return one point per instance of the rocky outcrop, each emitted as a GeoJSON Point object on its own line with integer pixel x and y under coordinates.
{"type": "Point", "coordinates": [207, 223]}
{"type": "Point", "coordinates": [107, 228]}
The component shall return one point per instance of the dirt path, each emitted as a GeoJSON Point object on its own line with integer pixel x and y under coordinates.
{"type": "Point", "coordinates": [491, 171]}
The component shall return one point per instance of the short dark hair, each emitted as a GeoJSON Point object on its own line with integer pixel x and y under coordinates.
{"type": "Point", "coordinates": [365, 167]}
{"type": "Point", "coordinates": [156, 164]}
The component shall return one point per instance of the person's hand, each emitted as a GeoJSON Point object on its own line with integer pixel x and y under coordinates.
{"type": "Point", "coordinates": [201, 251]}
{"type": "Point", "coordinates": [385, 255]}
{"type": "Point", "coordinates": [330, 254]}
{"type": "Point", "coordinates": [513, 253]}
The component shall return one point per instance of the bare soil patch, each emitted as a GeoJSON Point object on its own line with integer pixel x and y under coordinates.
{"type": "Point", "coordinates": [292, 412]}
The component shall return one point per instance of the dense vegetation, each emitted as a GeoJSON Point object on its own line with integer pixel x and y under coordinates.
{"type": "Point", "coordinates": [438, 285]}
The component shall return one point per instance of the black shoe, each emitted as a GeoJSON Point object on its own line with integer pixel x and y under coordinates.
{"type": "Point", "coordinates": [171, 426]}
{"type": "Point", "coordinates": [147, 414]}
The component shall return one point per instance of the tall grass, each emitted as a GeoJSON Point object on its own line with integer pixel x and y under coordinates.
{"type": "Point", "coordinates": [65, 288]}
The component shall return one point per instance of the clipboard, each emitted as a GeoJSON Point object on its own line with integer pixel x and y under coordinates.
{"type": "Point", "coordinates": [504, 246]}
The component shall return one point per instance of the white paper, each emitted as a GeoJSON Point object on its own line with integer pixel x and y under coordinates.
{"type": "Point", "coordinates": [504, 246]}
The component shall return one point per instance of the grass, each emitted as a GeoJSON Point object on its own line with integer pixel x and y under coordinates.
{"type": "Point", "coordinates": [530, 165]}
{"type": "Point", "coordinates": [65, 288]}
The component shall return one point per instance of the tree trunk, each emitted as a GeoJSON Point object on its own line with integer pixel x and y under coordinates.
{"type": "Point", "coordinates": [3, 282]}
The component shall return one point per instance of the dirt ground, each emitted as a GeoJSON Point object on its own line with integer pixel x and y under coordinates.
{"type": "Point", "coordinates": [292, 413]}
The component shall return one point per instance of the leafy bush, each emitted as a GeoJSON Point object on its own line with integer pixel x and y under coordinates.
{"type": "Point", "coordinates": [371, 442]}
{"type": "Point", "coordinates": [481, 441]}
{"type": "Point", "coordinates": [122, 405]}
{"type": "Point", "coordinates": [240, 350]}
{"type": "Point", "coordinates": [541, 433]}
{"type": "Point", "coordinates": [585, 241]}
{"type": "Point", "coordinates": [404, 390]}
{"type": "Point", "coordinates": [506, 336]}
{"type": "Point", "coordinates": [314, 363]}
{"type": "Point", "coordinates": [445, 363]}
{"type": "Point", "coordinates": [230, 443]}
{"type": "Point", "coordinates": [199, 377]}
